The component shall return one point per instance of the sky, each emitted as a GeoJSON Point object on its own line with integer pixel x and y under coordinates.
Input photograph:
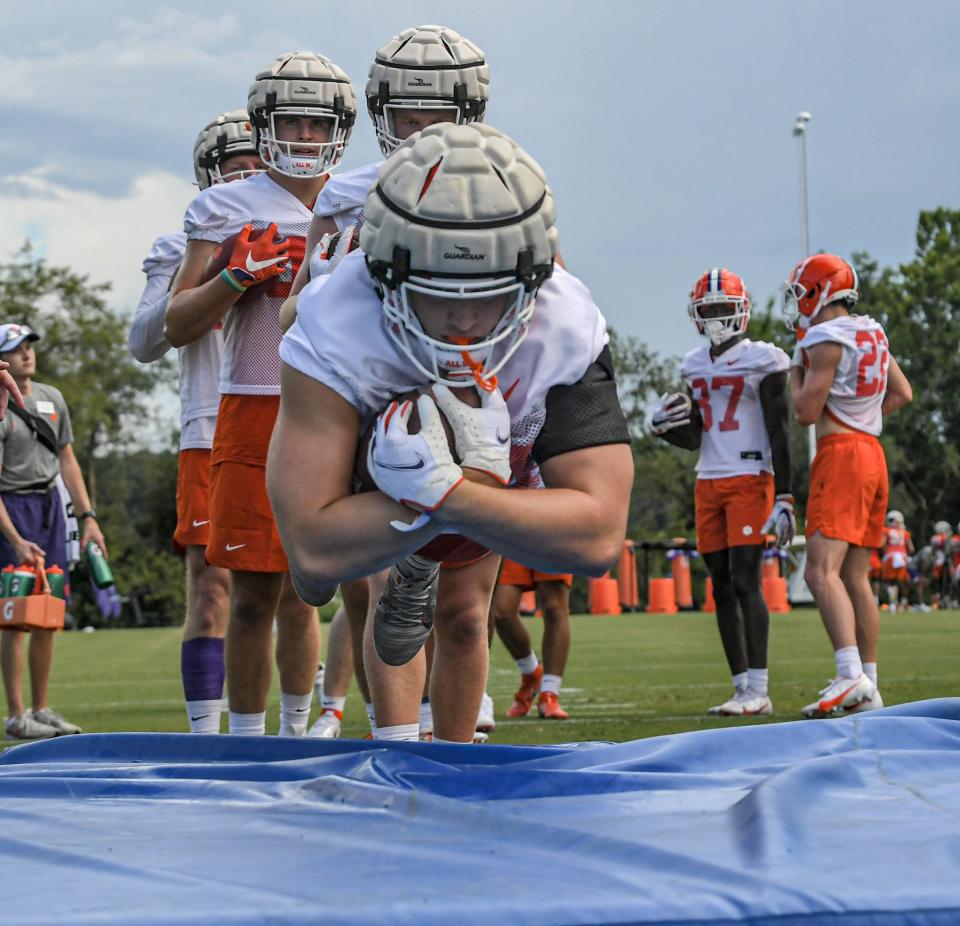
{"type": "Point", "coordinates": [664, 127]}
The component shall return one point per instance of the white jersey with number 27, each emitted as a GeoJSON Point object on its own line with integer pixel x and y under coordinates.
{"type": "Point", "coordinates": [727, 390]}
{"type": "Point", "coordinates": [860, 383]}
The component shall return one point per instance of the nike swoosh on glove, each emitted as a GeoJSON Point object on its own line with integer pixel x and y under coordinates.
{"type": "Point", "coordinates": [673, 411]}
{"type": "Point", "coordinates": [482, 435]}
{"type": "Point", "coordinates": [782, 521]}
{"type": "Point", "coordinates": [416, 470]}
{"type": "Point", "coordinates": [255, 261]}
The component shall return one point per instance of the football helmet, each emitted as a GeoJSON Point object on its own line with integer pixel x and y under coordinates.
{"type": "Point", "coordinates": [942, 527]}
{"type": "Point", "coordinates": [720, 287]}
{"type": "Point", "coordinates": [459, 213]}
{"type": "Point", "coordinates": [302, 83]}
{"type": "Point", "coordinates": [229, 134]}
{"type": "Point", "coordinates": [895, 519]}
{"type": "Point", "coordinates": [815, 282]}
{"type": "Point", "coordinates": [427, 67]}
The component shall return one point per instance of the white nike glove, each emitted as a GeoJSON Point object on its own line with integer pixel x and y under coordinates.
{"type": "Point", "coordinates": [674, 411]}
{"type": "Point", "coordinates": [416, 470]}
{"type": "Point", "coordinates": [782, 521]}
{"type": "Point", "coordinates": [482, 434]}
{"type": "Point", "coordinates": [331, 249]}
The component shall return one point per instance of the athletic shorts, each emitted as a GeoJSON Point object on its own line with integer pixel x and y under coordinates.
{"type": "Point", "coordinates": [512, 573]}
{"type": "Point", "coordinates": [193, 500]}
{"type": "Point", "coordinates": [876, 565]}
{"type": "Point", "coordinates": [892, 574]}
{"type": "Point", "coordinates": [243, 532]}
{"type": "Point", "coordinates": [731, 511]}
{"type": "Point", "coordinates": [453, 551]}
{"type": "Point", "coordinates": [848, 489]}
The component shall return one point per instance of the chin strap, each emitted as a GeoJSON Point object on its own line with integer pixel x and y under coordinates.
{"type": "Point", "coordinates": [486, 383]}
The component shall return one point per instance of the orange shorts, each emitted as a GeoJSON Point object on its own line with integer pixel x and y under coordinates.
{"type": "Point", "coordinates": [193, 500]}
{"type": "Point", "coordinates": [876, 565]}
{"type": "Point", "coordinates": [848, 489]}
{"type": "Point", "coordinates": [512, 573]}
{"type": "Point", "coordinates": [243, 533]}
{"type": "Point", "coordinates": [453, 551]}
{"type": "Point", "coordinates": [890, 574]}
{"type": "Point", "coordinates": [731, 511]}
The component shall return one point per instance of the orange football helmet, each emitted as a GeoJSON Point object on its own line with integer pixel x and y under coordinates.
{"type": "Point", "coordinates": [720, 287]}
{"type": "Point", "coordinates": [816, 281]}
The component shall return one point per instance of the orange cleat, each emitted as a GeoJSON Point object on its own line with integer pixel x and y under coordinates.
{"type": "Point", "coordinates": [548, 706]}
{"type": "Point", "coordinates": [523, 699]}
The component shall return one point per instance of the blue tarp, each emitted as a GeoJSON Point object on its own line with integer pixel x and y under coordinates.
{"type": "Point", "coordinates": [854, 821]}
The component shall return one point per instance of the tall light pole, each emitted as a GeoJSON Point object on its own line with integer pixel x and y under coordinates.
{"type": "Point", "coordinates": [800, 134]}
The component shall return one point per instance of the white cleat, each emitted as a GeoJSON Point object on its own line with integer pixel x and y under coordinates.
{"type": "Point", "coordinates": [486, 722]}
{"type": "Point", "coordinates": [327, 725]}
{"type": "Point", "coordinates": [870, 704]}
{"type": "Point", "coordinates": [744, 703]}
{"type": "Point", "coordinates": [843, 696]}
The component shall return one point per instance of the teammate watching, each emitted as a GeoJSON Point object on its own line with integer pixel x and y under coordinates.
{"type": "Point", "coordinates": [897, 550]}
{"type": "Point", "coordinates": [536, 680]}
{"type": "Point", "coordinates": [223, 152]}
{"type": "Point", "coordinates": [412, 310]}
{"type": "Point", "coordinates": [36, 444]}
{"type": "Point", "coordinates": [302, 108]}
{"type": "Point", "coordinates": [844, 380]}
{"type": "Point", "coordinates": [743, 472]}
{"type": "Point", "coordinates": [421, 77]}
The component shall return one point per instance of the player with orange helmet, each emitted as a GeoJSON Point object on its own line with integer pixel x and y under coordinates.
{"type": "Point", "coordinates": [844, 380]}
{"type": "Point", "coordinates": [738, 418]}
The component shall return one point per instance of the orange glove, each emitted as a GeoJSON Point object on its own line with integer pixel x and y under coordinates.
{"type": "Point", "coordinates": [255, 261]}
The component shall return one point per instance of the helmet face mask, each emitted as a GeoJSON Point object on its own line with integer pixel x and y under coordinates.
{"type": "Point", "coordinates": [391, 136]}
{"type": "Point", "coordinates": [816, 282]}
{"type": "Point", "coordinates": [296, 158]}
{"type": "Point", "coordinates": [895, 519]}
{"type": "Point", "coordinates": [719, 287]}
{"type": "Point", "coordinates": [228, 136]}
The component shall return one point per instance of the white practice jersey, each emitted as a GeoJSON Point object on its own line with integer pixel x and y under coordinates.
{"type": "Point", "coordinates": [343, 195]}
{"type": "Point", "coordinates": [340, 339]}
{"type": "Point", "coordinates": [860, 383]}
{"type": "Point", "coordinates": [199, 361]}
{"type": "Point", "coordinates": [727, 390]}
{"type": "Point", "coordinates": [251, 330]}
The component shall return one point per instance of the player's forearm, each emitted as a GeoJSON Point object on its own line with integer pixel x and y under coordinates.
{"type": "Point", "coordinates": [552, 530]}
{"type": "Point", "coordinates": [146, 339]}
{"type": "Point", "coordinates": [7, 527]}
{"type": "Point", "coordinates": [73, 480]}
{"type": "Point", "coordinates": [191, 313]}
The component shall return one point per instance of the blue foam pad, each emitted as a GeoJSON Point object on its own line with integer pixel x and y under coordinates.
{"type": "Point", "coordinates": [850, 821]}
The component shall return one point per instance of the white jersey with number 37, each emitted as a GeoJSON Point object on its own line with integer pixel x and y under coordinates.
{"type": "Point", "coordinates": [727, 390]}
{"type": "Point", "coordinates": [860, 383]}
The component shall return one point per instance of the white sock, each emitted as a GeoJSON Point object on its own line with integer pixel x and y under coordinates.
{"type": "Point", "coordinates": [528, 664]}
{"type": "Point", "coordinates": [248, 724]}
{"type": "Point", "coordinates": [204, 716]}
{"type": "Point", "coordinates": [373, 720]}
{"type": "Point", "coordinates": [870, 670]}
{"type": "Point", "coordinates": [551, 683]}
{"type": "Point", "coordinates": [454, 742]}
{"type": "Point", "coordinates": [426, 717]}
{"type": "Point", "coordinates": [757, 680]}
{"type": "Point", "coordinates": [294, 713]}
{"type": "Point", "coordinates": [848, 662]}
{"type": "Point", "coordinates": [333, 704]}
{"type": "Point", "coordinates": [402, 731]}
{"type": "Point", "coordinates": [741, 680]}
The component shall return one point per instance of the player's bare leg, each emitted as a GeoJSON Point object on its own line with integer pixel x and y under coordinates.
{"type": "Point", "coordinates": [298, 652]}
{"type": "Point", "coordinates": [729, 618]}
{"type": "Point", "coordinates": [249, 650]}
{"type": "Point", "coordinates": [202, 651]}
{"type": "Point", "coordinates": [331, 695]}
{"type": "Point", "coordinates": [515, 637]}
{"type": "Point", "coordinates": [462, 657]}
{"type": "Point", "coordinates": [825, 558]}
{"type": "Point", "coordinates": [555, 598]}
{"type": "Point", "coordinates": [854, 573]}
{"type": "Point", "coordinates": [11, 659]}
{"type": "Point", "coordinates": [396, 690]}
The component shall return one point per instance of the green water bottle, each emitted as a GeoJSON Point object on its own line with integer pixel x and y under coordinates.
{"type": "Point", "coordinates": [97, 564]}
{"type": "Point", "coordinates": [6, 577]}
{"type": "Point", "coordinates": [57, 581]}
{"type": "Point", "coordinates": [21, 582]}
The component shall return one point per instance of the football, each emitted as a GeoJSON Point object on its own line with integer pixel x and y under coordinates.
{"type": "Point", "coordinates": [220, 259]}
{"type": "Point", "coordinates": [363, 482]}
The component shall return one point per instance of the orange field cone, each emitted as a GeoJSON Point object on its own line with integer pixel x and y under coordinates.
{"type": "Point", "coordinates": [682, 589]}
{"type": "Point", "coordinates": [627, 578]}
{"type": "Point", "coordinates": [528, 603]}
{"type": "Point", "coordinates": [708, 603]}
{"type": "Point", "coordinates": [775, 594]}
{"type": "Point", "coordinates": [604, 594]}
{"type": "Point", "coordinates": [661, 597]}
{"type": "Point", "coordinates": [770, 567]}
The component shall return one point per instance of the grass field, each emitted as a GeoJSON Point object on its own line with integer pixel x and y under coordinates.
{"type": "Point", "coordinates": [629, 677]}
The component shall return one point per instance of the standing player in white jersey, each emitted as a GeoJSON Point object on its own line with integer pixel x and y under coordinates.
{"type": "Point", "coordinates": [844, 380]}
{"type": "Point", "coordinates": [303, 109]}
{"type": "Point", "coordinates": [455, 285]}
{"type": "Point", "coordinates": [742, 431]}
{"type": "Point", "coordinates": [421, 77]}
{"type": "Point", "coordinates": [224, 151]}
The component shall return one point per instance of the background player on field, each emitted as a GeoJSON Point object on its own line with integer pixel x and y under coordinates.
{"type": "Point", "coordinates": [224, 151]}
{"type": "Point", "coordinates": [844, 380]}
{"type": "Point", "coordinates": [897, 550]}
{"type": "Point", "coordinates": [302, 108]}
{"type": "Point", "coordinates": [743, 472]}
{"type": "Point", "coordinates": [942, 578]}
{"type": "Point", "coordinates": [423, 76]}
{"type": "Point", "coordinates": [536, 680]}
{"type": "Point", "coordinates": [411, 310]}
